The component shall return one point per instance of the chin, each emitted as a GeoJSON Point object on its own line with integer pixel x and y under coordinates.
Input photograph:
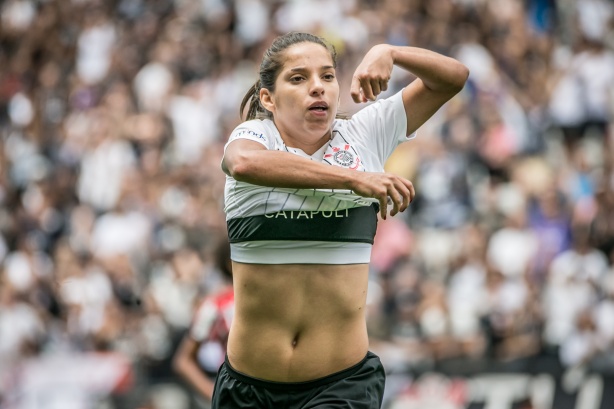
{"type": "Point", "coordinates": [322, 123]}
{"type": "Point", "coordinates": [321, 130]}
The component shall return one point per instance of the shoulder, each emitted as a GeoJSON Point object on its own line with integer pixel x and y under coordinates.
{"type": "Point", "coordinates": [254, 128]}
{"type": "Point", "coordinates": [259, 130]}
{"type": "Point", "coordinates": [391, 105]}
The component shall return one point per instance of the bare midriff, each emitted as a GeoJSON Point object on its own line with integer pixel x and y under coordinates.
{"type": "Point", "coordinates": [298, 322]}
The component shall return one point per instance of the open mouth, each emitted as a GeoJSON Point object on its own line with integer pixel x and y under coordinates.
{"type": "Point", "coordinates": [320, 109]}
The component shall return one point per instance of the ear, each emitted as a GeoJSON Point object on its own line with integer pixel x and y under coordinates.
{"type": "Point", "coordinates": [267, 100]}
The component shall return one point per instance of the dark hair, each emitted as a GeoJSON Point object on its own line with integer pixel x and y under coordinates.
{"type": "Point", "coordinates": [272, 62]}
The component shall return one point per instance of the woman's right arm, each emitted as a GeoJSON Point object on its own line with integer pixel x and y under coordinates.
{"type": "Point", "coordinates": [249, 161]}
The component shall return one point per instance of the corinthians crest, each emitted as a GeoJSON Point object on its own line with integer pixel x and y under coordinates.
{"type": "Point", "coordinates": [343, 156]}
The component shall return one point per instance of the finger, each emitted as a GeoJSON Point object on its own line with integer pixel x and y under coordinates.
{"type": "Point", "coordinates": [367, 91]}
{"type": "Point", "coordinates": [375, 87]}
{"type": "Point", "coordinates": [406, 200]}
{"type": "Point", "coordinates": [412, 192]}
{"type": "Point", "coordinates": [383, 207]}
{"type": "Point", "coordinates": [383, 84]}
{"type": "Point", "coordinates": [410, 187]}
{"type": "Point", "coordinates": [396, 200]}
{"type": "Point", "coordinates": [355, 90]}
{"type": "Point", "coordinates": [404, 195]}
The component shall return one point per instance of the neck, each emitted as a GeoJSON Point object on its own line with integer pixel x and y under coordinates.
{"type": "Point", "coordinates": [309, 144]}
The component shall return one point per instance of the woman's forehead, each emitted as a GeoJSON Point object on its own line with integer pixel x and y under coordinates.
{"type": "Point", "coordinates": [307, 55]}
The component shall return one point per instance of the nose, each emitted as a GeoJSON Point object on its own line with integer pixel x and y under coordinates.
{"type": "Point", "coordinates": [317, 87]}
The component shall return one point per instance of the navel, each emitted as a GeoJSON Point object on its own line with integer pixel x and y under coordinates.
{"type": "Point", "coordinates": [295, 341]}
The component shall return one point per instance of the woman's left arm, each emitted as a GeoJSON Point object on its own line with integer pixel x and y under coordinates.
{"type": "Point", "coordinates": [439, 78]}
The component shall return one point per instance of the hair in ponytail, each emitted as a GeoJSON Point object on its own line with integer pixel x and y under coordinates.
{"type": "Point", "coordinates": [270, 67]}
{"type": "Point", "coordinates": [252, 101]}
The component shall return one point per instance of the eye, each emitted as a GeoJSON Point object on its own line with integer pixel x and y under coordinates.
{"type": "Point", "coordinates": [296, 78]}
{"type": "Point", "coordinates": [329, 77]}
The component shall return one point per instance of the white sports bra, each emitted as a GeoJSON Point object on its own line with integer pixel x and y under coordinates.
{"type": "Point", "coordinates": [305, 237]}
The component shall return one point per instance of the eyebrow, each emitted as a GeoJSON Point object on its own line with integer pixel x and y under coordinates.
{"type": "Point", "coordinates": [324, 67]}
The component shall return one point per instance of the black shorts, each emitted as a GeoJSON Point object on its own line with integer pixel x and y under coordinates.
{"type": "Point", "coordinates": [358, 387]}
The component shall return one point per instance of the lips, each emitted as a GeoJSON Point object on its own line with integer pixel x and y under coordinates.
{"type": "Point", "coordinates": [319, 106]}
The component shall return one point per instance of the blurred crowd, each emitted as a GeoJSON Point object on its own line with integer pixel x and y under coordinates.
{"type": "Point", "coordinates": [113, 118]}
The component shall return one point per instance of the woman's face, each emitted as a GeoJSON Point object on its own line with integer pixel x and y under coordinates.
{"type": "Point", "coordinates": [306, 96]}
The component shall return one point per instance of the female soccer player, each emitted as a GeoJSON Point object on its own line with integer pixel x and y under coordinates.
{"type": "Point", "coordinates": [302, 194]}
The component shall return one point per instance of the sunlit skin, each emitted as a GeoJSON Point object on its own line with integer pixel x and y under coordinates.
{"type": "Point", "coordinates": [307, 78]}
{"type": "Point", "coordinates": [299, 322]}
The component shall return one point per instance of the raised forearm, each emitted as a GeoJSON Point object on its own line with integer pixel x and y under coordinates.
{"type": "Point", "coordinates": [440, 76]}
{"type": "Point", "coordinates": [438, 72]}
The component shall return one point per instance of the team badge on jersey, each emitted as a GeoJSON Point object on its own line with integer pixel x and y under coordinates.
{"type": "Point", "coordinates": [343, 155]}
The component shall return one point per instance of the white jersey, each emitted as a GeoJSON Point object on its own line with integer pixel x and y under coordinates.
{"type": "Point", "coordinates": [285, 220]}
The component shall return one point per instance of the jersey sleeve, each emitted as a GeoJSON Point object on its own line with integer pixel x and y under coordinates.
{"type": "Point", "coordinates": [382, 126]}
{"type": "Point", "coordinates": [204, 319]}
{"type": "Point", "coordinates": [253, 130]}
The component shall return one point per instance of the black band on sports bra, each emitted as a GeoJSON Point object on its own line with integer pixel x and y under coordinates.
{"type": "Point", "coordinates": [352, 225]}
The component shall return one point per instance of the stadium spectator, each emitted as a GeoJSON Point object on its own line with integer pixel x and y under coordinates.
{"type": "Point", "coordinates": [203, 349]}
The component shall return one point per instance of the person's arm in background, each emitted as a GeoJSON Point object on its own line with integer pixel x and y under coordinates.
{"type": "Point", "coordinates": [439, 78]}
{"type": "Point", "coordinates": [185, 362]}
{"type": "Point", "coordinates": [186, 365]}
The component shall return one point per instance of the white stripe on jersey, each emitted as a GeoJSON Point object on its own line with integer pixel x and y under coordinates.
{"type": "Point", "coordinates": [252, 200]}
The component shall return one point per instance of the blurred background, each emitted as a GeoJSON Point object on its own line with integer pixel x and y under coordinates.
{"type": "Point", "coordinates": [495, 289]}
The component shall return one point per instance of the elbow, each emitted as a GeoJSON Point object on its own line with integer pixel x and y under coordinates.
{"type": "Point", "coordinates": [463, 75]}
{"type": "Point", "coordinates": [177, 365]}
{"type": "Point", "coordinates": [451, 81]}
{"type": "Point", "coordinates": [240, 167]}
{"type": "Point", "coordinates": [458, 79]}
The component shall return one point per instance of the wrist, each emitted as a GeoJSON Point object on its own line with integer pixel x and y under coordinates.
{"type": "Point", "coordinates": [386, 50]}
{"type": "Point", "coordinates": [346, 178]}
{"type": "Point", "coordinates": [394, 54]}
{"type": "Point", "coordinates": [349, 178]}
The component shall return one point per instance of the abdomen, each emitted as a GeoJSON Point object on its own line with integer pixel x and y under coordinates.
{"type": "Point", "coordinates": [295, 323]}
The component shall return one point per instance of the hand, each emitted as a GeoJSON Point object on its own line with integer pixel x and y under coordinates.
{"type": "Point", "coordinates": [382, 186]}
{"type": "Point", "coordinates": [372, 75]}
